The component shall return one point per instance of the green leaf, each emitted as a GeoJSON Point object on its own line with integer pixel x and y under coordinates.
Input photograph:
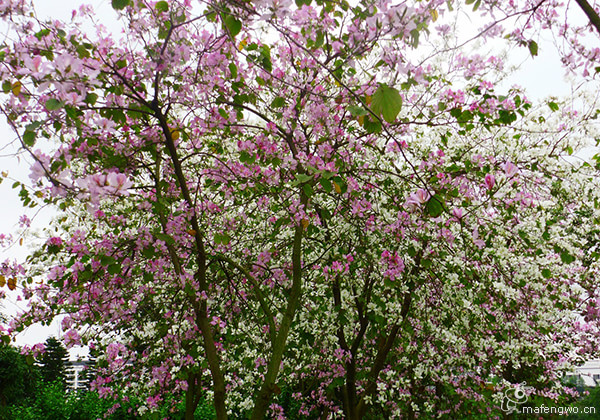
{"type": "Point", "coordinates": [39, 35]}
{"type": "Point", "coordinates": [114, 268]}
{"type": "Point", "coordinates": [464, 117]}
{"type": "Point", "coordinates": [372, 126]}
{"type": "Point", "coordinates": [82, 52]}
{"type": "Point", "coordinates": [326, 184]}
{"type": "Point", "coordinates": [357, 111]}
{"type": "Point", "coordinates": [320, 40]}
{"type": "Point", "coordinates": [553, 106]}
{"type": "Point", "coordinates": [222, 239]}
{"type": "Point", "coordinates": [303, 177]}
{"type": "Point", "coordinates": [29, 138]}
{"type": "Point", "coordinates": [415, 34]}
{"type": "Point", "coordinates": [265, 53]}
{"type": "Point", "coordinates": [233, 25]}
{"type": "Point", "coordinates": [278, 102]}
{"type": "Point", "coordinates": [386, 102]}
{"type": "Point", "coordinates": [308, 190]}
{"type": "Point", "coordinates": [85, 274]}
{"type": "Point", "coordinates": [119, 4]}
{"type": "Point", "coordinates": [107, 260]}
{"type": "Point", "coordinates": [233, 70]}
{"type": "Point", "coordinates": [566, 257]}
{"type": "Point", "coordinates": [162, 6]}
{"type": "Point", "coordinates": [246, 157]}
{"type": "Point", "coordinates": [533, 48]}
{"type": "Point", "coordinates": [435, 206]}
{"type": "Point", "coordinates": [91, 98]}
{"type": "Point", "coordinates": [166, 238]}
{"type": "Point", "coordinates": [546, 273]}
{"type": "Point", "coordinates": [53, 104]}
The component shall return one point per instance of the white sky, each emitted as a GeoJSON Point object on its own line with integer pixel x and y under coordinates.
{"type": "Point", "coordinates": [18, 169]}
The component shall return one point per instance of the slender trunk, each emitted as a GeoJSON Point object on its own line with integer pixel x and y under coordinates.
{"type": "Point", "coordinates": [378, 365]}
{"type": "Point", "coordinates": [191, 400]}
{"type": "Point", "coordinates": [350, 391]}
{"type": "Point", "coordinates": [200, 308]}
{"type": "Point", "coordinates": [388, 342]}
{"type": "Point", "coordinates": [213, 362]}
{"type": "Point", "coordinates": [268, 387]}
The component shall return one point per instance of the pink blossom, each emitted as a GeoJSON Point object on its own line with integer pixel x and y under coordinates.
{"type": "Point", "coordinates": [67, 322]}
{"type": "Point", "coordinates": [100, 185]}
{"type": "Point", "coordinates": [54, 241]}
{"type": "Point", "coordinates": [510, 169]}
{"type": "Point", "coordinates": [118, 183]}
{"type": "Point", "coordinates": [457, 212]}
{"type": "Point", "coordinates": [24, 221]}
{"type": "Point", "coordinates": [337, 46]}
{"type": "Point", "coordinates": [417, 198]}
{"type": "Point", "coordinates": [476, 240]}
{"type": "Point", "coordinates": [38, 349]}
{"type": "Point", "coordinates": [153, 401]}
{"type": "Point", "coordinates": [38, 169]}
{"type": "Point", "coordinates": [394, 264]}
{"type": "Point", "coordinates": [71, 338]}
{"type": "Point", "coordinates": [489, 181]}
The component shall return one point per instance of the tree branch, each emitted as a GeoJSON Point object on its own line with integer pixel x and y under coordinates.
{"type": "Point", "coordinates": [590, 13]}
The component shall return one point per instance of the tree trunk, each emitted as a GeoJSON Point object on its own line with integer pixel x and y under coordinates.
{"type": "Point", "coordinates": [268, 387]}
{"type": "Point", "coordinates": [191, 402]}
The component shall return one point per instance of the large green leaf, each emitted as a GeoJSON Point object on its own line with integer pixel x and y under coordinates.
{"type": "Point", "coordinates": [566, 257]}
{"type": "Point", "coordinates": [387, 102]}
{"type": "Point", "coordinates": [29, 138]}
{"type": "Point", "coordinates": [326, 184]}
{"type": "Point", "coordinates": [435, 206]}
{"type": "Point", "coordinates": [119, 4]}
{"type": "Point", "coordinates": [53, 104]}
{"type": "Point", "coordinates": [162, 6]}
{"type": "Point", "coordinates": [233, 25]}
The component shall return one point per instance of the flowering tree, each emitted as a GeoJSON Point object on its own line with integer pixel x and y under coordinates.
{"type": "Point", "coordinates": [268, 199]}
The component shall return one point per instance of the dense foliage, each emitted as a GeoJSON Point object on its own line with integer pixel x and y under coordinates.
{"type": "Point", "coordinates": [53, 361]}
{"type": "Point", "coordinates": [26, 395]}
{"type": "Point", "coordinates": [18, 378]}
{"type": "Point", "coordinates": [326, 198]}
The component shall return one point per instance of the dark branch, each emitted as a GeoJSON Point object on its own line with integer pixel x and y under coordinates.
{"type": "Point", "coordinates": [590, 13]}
